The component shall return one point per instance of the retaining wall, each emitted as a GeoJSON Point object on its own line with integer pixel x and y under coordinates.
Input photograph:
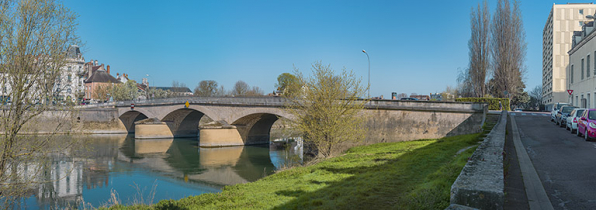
{"type": "Point", "coordinates": [481, 182]}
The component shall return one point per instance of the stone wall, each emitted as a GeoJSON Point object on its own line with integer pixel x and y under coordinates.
{"type": "Point", "coordinates": [480, 183]}
{"type": "Point", "coordinates": [393, 121]}
{"type": "Point", "coordinates": [405, 125]}
{"type": "Point", "coordinates": [98, 120]}
{"type": "Point", "coordinates": [77, 121]}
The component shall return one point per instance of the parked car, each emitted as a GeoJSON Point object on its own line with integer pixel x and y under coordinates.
{"type": "Point", "coordinates": [573, 119]}
{"type": "Point", "coordinates": [563, 113]}
{"type": "Point", "coordinates": [553, 113]}
{"type": "Point", "coordinates": [586, 125]}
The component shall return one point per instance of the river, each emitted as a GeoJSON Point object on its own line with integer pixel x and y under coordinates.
{"type": "Point", "coordinates": [111, 169]}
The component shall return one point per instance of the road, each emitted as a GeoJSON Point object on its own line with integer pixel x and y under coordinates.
{"type": "Point", "coordinates": [566, 164]}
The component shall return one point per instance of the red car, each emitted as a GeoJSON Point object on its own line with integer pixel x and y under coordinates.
{"type": "Point", "coordinates": [586, 125]}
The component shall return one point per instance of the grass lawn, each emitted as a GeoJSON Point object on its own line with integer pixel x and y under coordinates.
{"type": "Point", "coordinates": [402, 175]}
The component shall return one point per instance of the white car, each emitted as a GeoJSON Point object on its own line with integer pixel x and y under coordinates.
{"type": "Point", "coordinates": [573, 119]}
{"type": "Point", "coordinates": [553, 113]}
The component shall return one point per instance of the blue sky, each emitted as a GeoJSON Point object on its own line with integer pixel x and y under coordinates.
{"type": "Point", "coordinates": [414, 46]}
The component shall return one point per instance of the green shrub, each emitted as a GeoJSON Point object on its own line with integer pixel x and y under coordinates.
{"type": "Point", "coordinates": [493, 103]}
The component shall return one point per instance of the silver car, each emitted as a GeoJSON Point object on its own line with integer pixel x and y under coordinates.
{"type": "Point", "coordinates": [555, 110]}
{"type": "Point", "coordinates": [573, 118]}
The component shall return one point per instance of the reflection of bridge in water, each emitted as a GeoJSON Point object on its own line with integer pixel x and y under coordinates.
{"type": "Point", "coordinates": [183, 159]}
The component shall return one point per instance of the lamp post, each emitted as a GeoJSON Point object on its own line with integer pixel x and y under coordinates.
{"type": "Point", "coordinates": [368, 88]}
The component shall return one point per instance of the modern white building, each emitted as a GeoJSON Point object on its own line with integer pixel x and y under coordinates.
{"type": "Point", "coordinates": [581, 71]}
{"type": "Point", "coordinates": [557, 35]}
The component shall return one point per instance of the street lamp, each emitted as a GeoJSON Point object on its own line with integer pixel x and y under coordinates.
{"type": "Point", "coordinates": [364, 51]}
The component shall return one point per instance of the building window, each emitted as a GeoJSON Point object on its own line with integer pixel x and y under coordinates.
{"type": "Point", "coordinates": [571, 76]}
{"type": "Point", "coordinates": [70, 78]}
{"type": "Point", "coordinates": [581, 23]}
{"type": "Point", "coordinates": [69, 90]}
{"type": "Point", "coordinates": [588, 101]}
{"type": "Point", "coordinates": [576, 103]}
{"type": "Point", "coordinates": [588, 66]}
{"type": "Point", "coordinates": [581, 11]}
{"type": "Point", "coordinates": [582, 69]}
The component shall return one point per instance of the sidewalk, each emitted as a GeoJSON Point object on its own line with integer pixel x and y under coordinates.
{"type": "Point", "coordinates": [523, 188]}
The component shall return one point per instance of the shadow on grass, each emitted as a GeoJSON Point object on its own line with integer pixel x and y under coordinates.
{"type": "Point", "coordinates": [417, 179]}
{"type": "Point", "coordinates": [404, 175]}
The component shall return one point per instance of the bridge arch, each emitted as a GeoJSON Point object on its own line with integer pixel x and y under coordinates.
{"type": "Point", "coordinates": [129, 118]}
{"type": "Point", "coordinates": [255, 128]}
{"type": "Point", "coordinates": [183, 122]}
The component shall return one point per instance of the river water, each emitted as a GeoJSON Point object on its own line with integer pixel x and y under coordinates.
{"type": "Point", "coordinates": [114, 169]}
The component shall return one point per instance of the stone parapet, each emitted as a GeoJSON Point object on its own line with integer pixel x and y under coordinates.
{"type": "Point", "coordinates": [481, 182]}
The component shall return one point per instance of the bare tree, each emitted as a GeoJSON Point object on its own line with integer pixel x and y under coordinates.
{"type": "Point", "coordinates": [508, 50]}
{"type": "Point", "coordinates": [255, 91]}
{"type": "Point", "coordinates": [464, 83]}
{"type": "Point", "coordinates": [206, 88]}
{"type": "Point", "coordinates": [34, 38]}
{"type": "Point", "coordinates": [536, 92]}
{"type": "Point", "coordinates": [240, 88]}
{"type": "Point", "coordinates": [326, 108]}
{"type": "Point", "coordinates": [479, 50]}
{"type": "Point", "coordinates": [221, 91]}
{"type": "Point", "coordinates": [536, 97]}
{"type": "Point", "coordinates": [102, 92]}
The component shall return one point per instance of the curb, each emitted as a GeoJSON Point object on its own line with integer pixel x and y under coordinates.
{"type": "Point", "coordinates": [537, 197]}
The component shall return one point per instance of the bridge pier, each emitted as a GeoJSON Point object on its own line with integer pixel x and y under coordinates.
{"type": "Point", "coordinates": [155, 130]}
{"type": "Point", "coordinates": [220, 137]}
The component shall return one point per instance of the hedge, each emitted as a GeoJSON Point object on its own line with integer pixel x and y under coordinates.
{"type": "Point", "coordinates": [493, 103]}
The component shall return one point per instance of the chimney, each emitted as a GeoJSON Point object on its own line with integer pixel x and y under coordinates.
{"type": "Point", "coordinates": [108, 69]}
{"type": "Point", "coordinates": [90, 69]}
{"type": "Point", "coordinates": [96, 63]}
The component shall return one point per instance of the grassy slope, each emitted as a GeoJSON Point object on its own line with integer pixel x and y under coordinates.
{"type": "Point", "coordinates": [403, 175]}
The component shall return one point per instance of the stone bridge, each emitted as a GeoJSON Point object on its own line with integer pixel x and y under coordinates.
{"type": "Point", "coordinates": [245, 121]}
{"type": "Point", "coordinates": [237, 121]}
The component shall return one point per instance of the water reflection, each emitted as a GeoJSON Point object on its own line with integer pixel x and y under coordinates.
{"type": "Point", "coordinates": [132, 170]}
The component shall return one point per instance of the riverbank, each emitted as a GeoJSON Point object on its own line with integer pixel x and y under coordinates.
{"type": "Point", "coordinates": [408, 175]}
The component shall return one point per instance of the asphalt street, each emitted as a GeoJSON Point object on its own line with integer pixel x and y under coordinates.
{"type": "Point", "coordinates": [565, 163]}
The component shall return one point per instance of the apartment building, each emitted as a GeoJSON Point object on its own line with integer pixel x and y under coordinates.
{"type": "Point", "coordinates": [557, 35]}
{"type": "Point", "coordinates": [581, 71]}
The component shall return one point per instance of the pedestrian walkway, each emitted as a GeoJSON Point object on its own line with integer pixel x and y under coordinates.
{"type": "Point", "coordinates": [523, 188]}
